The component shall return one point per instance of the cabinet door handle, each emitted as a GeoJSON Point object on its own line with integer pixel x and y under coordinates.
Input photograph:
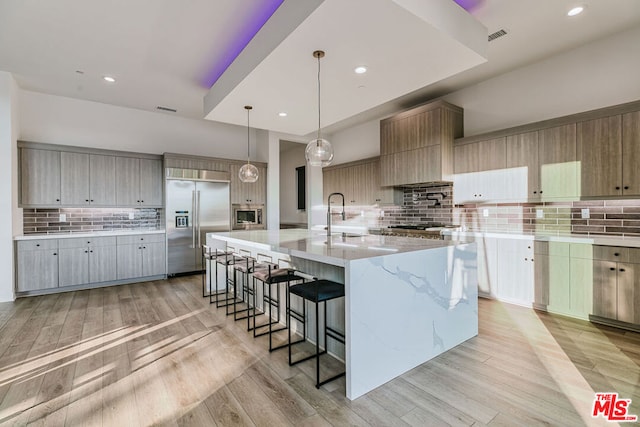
{"type": "Point", "coordinates": [611, 268]}
{"type": "Point", "coordinates": [535, 192]}
{"type": "Point", "coordinates": [92, 200]}
{"type": "Point", "coordinates": [616, 254]}
{"type": "Point", "coordinates": [86, 200]}
{"type": "Point", "coordinates": [86, 252]}
{"type": "Point", "coordinates": [626, 187]}
{"type": "Point", "coordinates": [622, 269]}
{"type": "Point", "coordinates": [526, 259]}
{"type": "Point", "coordinates": [617, 188]}
{"type": "Point", "coordinates": [55, 253]}
{"type": "Point", "coordinates": [37, 244]}
{"type": "Point", "coordinates": [139, 247]}
{"type": "Point", "coordinates": [91, 251]}
{"type": "Point", "coordinates": [57, 200]}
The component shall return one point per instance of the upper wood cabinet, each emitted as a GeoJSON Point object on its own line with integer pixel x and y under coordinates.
{"type": "Point", "coordinates": [243, 193]}
{"type": "Point", "coordinates": [59, 178]}
{"type": "Point", "coordinates": [416, 146]}
{"type": "Point", "coordinates": [359, 182]}
{"type": "Point", "coordinates": [87, 179]}
{"type": "Point", "coordinates": [599, 149]}
{"type": "Point", "coordinates": [558, 170]}
{"type": "Point", "coordinates": [480, 169]}
{"type": "Point", "coordinates": [39, 177]}
{"type": "Point", "coordinates": [138, 182]}
{"type": "Point", "coordinates": [630, 153]}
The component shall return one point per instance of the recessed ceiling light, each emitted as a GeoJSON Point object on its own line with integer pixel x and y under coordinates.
{"type": "Point", "coordinates": [109, 79]}
{"type": "Point", "coordinates": [360, 70]}
{"type": "Point", "coordinates": [282, 114]}
{"type": "Point", "coordinates": [575, 11]}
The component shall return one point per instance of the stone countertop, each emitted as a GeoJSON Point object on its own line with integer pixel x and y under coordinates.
{"type": "Point", "coordinates": [632, 242]}
{"type": "Point", "coordinates": [89, 234]}
{"type": "Point", "coordinates": [339, 250]}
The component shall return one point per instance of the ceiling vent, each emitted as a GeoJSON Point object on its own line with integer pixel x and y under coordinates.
{"type": "Point", "coordinates": [497, 34]}
{"type": "Point", "coordinates": [173, 110]}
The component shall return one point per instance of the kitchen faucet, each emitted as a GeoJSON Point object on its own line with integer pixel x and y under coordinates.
{"type": "Point", "coordinates": [329, 211]}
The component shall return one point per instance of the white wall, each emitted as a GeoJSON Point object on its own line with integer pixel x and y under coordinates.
{"type": "Point", "coordinates": [10, 216]}
{"type": "Point", "coordinates": [67, 121]}
{"type": "Point", "coordinates": [592, 76]}
{"type": "Point", "coordinates": [290, 159]}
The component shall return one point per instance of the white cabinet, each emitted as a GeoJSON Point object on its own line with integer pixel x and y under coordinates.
{"type": "Point", "coordinates": [515, 271]}
{"type": "Point", "coordinates": [487, 249]}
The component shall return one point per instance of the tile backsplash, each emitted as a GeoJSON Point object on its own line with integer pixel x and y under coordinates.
{"type": "Point", "coordinates": [435, 204]}
{"type": "Point", "coordinates": [47, 221]}
{"type": "Point", "coordinates": [606, 217]}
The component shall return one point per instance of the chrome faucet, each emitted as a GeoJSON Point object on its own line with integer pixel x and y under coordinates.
{"type": "Point", "coordinates": [329, 211]}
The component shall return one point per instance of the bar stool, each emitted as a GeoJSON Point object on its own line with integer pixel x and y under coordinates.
{"type": "Point", "coordinates": [246, 268]}
{"type": "Point", "coordinates": [268, 278]}
{"type": "Point", "coordinates": [226, 259]}
{"type": "Point", "coordinates": [209, 254]}
{"type": "Point", "coordinates": [316, 291]}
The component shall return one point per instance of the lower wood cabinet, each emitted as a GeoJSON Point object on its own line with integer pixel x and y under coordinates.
{"type": "Point", "coordinates": [57, 263]}
{"type": "Point", "coordinates": [86, 260]}
{"type": "Point", "coordinates": [140, 256]}
{"type": "Point", "coordinates": [37, 263]}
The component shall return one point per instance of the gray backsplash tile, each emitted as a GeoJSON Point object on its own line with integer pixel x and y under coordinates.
{"type": "Point", "coordinates": [47, 221]}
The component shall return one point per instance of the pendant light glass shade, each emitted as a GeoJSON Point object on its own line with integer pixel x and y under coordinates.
{"type": "Point", "coordinates": [319, 151]}
{"type": "Point", "coordinates": [248, 172]}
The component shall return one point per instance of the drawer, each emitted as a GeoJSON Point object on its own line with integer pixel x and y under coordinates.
{"type": "Point", "coordinates": [552, 248]}
{"type": "Point", "coordinates": [611, 253]}
{"type": "Point", "coordinates": [81, 242]}
{"type": "Point", "coordinates": [35, 245]}
{"type": "Point", "coordinates": [139, 238]}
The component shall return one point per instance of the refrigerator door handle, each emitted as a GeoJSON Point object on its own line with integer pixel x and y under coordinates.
{"type": "Point", "coordinates": [193, 219]}
{"type": "Point", "coordinates": [198, 203]}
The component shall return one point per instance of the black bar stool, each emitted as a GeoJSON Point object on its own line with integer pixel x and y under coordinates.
{"type": "Point", "coordinates": [316, 291]}
{"type": "Point", "coordinates": [270, 277]}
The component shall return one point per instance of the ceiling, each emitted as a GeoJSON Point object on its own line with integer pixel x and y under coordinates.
{"type": "Point", "coordinates": [166, 53]}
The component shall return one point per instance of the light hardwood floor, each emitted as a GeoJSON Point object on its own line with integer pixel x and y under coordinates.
{"type": "Point", "coordinates": [158, 354]}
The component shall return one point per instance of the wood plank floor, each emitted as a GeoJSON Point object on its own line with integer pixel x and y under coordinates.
{"type": "Point", "coordinates": [157, 353]}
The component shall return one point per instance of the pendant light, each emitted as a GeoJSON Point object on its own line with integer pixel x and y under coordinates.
{"type": "Point", "coordinates": [319, 151]}
{"type": "Point", "coordinates": [248, 172]}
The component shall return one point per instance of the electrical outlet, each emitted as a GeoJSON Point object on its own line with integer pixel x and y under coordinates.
{"type": "Point", "coordinates": [539, 213]}
{"type": "Point", "coordinates": [131, 215]}
{"type": "Point", "coordinates": [485, 213]}
{"type": "Point", "coordinates": [585, 213]}
{"type": "Point", "coordinates": [63, 218]}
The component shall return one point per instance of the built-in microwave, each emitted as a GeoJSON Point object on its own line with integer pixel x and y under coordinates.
{"type": "Point", "coordinates": [247, 217]}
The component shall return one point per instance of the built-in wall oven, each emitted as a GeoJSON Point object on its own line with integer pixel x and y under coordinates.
{"type": "Point", "coordinates": [248, 217]}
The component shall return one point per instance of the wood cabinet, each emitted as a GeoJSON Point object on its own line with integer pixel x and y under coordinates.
{"type": "Point", "coordinates": [616, 283]}
{"type": "Point", "coordinates": [416, 146]}
{"type": "Point", "coordinates": [87, 179]}
{"type": "Point", "coordinates": [39, 177]}
{"type": "Point", "coordinates": [552, 284]}
{"type": "Point", "coordinates": [54, 178]}
{"type": "Point", "coordinates": [243, 193]}
{"type": "Point", "coordinates": [599, 151]}
{"type": "Point", "coordinates": [359, 181]}
{"type": "Point", "coordinates": [37, 262]}
{"type": "Point", "coordinates": [87, 260]}
{"type": "Point", "coordinates": [141, 256]}
{"type": "Point", "coordinates": [480, 172]}
{"type": "Point", "coordinates": [138, 182]}
{"type": "Point", "coordinates": [44, 264]}
{"type": "Point", "coordinates": [630, 153]}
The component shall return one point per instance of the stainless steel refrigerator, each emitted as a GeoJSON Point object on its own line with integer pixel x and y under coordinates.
{"type": "Point", "coordinates": [194, 208]}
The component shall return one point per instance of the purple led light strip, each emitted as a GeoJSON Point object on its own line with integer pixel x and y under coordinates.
{"type": "Point", "coordinates": [261, 14]}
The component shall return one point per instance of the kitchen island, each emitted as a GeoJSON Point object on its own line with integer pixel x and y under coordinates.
{"type": "Point", "coordinates": [406, 300]}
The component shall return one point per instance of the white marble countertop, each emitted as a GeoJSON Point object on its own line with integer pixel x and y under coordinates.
{"type": "Point", "coordinates": [89, 234]}
{"type": "Point", "coordinates": [312, 244]}
{"type": "Point", "coordinates": [627, 241]}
